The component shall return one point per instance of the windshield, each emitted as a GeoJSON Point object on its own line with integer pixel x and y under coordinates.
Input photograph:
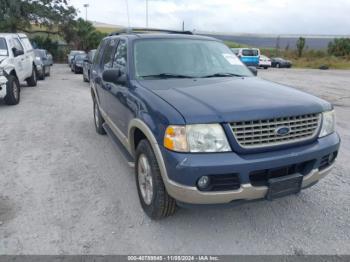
{"type": "Point", "coordinates": [183, 57]}
{"type": "Point", "coordinates": [250, 52]}
{"type": "Point", "coordinates": [72, 53]}
{"type": "Point", "coordinates": [79, 57]}
{"type": "Point", "coordinates": [3, 47]}
{"type": "Point", "coordinates": [40, 53]}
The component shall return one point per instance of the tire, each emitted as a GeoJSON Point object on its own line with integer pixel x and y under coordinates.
{"type": "Point", "coordinates": [157, 203]}
{"type": "Point", "coordinates": [49, 72]}
{"type": "Point", "coordinates": [84, 78]}
{"type": "Point", "coordinates": [76, 70]}
{"type": "Point", "coordinates": [32, 80]}
{"type": "Point", "coordinates": [265, 67]}
{"type": "Point", "coordinates": [278, 65]}
{"type": "Point", "coordinates": [42, 75]}
{"type": "Point", "coordinates": [13, 91]}
{"type": "Point", "coordinates": [98, 120]}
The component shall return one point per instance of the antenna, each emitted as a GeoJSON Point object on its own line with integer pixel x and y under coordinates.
{"type": "Point", "coordinates": [127, 12]}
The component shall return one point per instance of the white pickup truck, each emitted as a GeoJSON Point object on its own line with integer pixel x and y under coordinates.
{"type": "Point", "coordinates": [16, 65]}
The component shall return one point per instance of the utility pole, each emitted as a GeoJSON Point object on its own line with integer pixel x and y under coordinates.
{"type": "Point", "coordinates": [183, 25]}
{"type": "Point", "coordinates": [146, 13]}
{"type": "Point", "coordinates": [86, 10]}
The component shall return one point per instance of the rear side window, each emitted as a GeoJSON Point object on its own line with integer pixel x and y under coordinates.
{"type": "Point", "coordinates": [250, 52]}
{"type": "Point", "coordinates": [108, 54]}
{"type": "Point", "coordinates": [26, 43]}
{"type": "Point", "coordinates": [3, 47]}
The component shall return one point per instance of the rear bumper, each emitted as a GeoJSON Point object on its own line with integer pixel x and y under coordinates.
{"type": "Point", "coordinates": [3, 81]}
{"type": "Point", "coordinates": [184, 170]}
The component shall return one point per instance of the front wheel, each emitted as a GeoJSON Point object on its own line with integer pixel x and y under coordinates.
{"type": "Point", "coordinates": [48, 71]}
{"type": "Point", "coordinates": [13, 91]}
{"type": "Point", "coordinates": [43, 74]}
{"type": "Point", "coordinates": [154, 198]}
{"type": "Point", "coordinates": [32, 80]}
{"type": "Point", "coordinates": [98, 120]}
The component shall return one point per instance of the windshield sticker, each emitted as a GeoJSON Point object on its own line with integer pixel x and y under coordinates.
{"type": "Point", "coordinates": [232, 59]}
{"type": "Point", "coordinates": [3, 52]}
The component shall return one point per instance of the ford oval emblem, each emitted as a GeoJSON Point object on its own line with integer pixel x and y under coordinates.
{"type": "Point", "coordinates": [282, 130]}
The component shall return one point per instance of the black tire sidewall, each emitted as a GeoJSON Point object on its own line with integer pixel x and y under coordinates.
{"type": "Point", "coordinates": [162, 204]}
{"type": "Point", "coordinates": [99, 128]}
{"type": "Point", "coordinates": [33, 79]}
{"type": "Point", "coordinates": [10, 98]}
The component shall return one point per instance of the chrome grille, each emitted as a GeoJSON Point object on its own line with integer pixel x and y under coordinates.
{"type": "Point", "coordinates": [262, 133]}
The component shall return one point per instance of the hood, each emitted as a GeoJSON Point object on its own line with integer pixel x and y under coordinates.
{"type": "Point", "coordinates": [216, 100]}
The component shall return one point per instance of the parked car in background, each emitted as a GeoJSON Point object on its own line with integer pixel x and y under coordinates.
{"type": "Point", "coordinates": [72, 54]}
{"type": "Point", "coordinates": [264, 62]}
{"type": "Point", "coordinates": [87, 65]}
{"type": "Point", "coordinates": [43, 63]}
{"type": "Point", "coordinates": [249, 56]}
{"type": "Point", "coordinates": [202, 129]}
{"type": "Point", "coordinates": [16, 65]}
{"type": "Point", "coordinates": [279, 62]}
{"type": "Point", "coordinates": [77, 63]}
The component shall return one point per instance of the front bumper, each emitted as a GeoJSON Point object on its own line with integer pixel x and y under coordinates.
{"type": "Point", "coordinates": [183, 170]}
{"type": "Point", "coordinates": [3, 91]}
{"type": "Point", "coordinates": [192, 195]}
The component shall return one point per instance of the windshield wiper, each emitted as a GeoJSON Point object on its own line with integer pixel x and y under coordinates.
{"type": "Point", "coordinates": [166, 75]}
{"type": "Point", "coordinates": [222, 75]}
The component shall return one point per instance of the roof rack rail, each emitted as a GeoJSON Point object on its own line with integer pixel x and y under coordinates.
{"type": "Point", "coordinates": [148, 30]}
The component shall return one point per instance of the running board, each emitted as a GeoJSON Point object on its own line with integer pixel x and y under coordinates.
{"type": "Point", "coordinates": [119, 145]}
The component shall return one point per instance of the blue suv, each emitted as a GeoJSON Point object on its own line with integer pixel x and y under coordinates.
{"type": "Point", "coordinates": [200, 128]}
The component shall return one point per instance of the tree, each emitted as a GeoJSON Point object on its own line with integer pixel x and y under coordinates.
{"type": "Point", "coordinates": [20, 15]}
{"type": "Point", "coordinates": [85, 35]}
{"type": "Point", "coordinates": [300, 46]}
{"type": "Point", "coordinates": [339, 47]}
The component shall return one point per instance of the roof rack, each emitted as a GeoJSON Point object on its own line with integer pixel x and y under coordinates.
{"type": "Point", "coordinates": [148, 30]}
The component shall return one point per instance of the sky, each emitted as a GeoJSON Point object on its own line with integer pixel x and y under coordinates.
{"type": "Point", "coordinates": [307, 17]}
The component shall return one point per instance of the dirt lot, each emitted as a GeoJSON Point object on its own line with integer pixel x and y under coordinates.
{"type": "Point", "coordinates": [66, 190]}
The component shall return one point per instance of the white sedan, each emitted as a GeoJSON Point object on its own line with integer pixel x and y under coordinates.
{"type": "Point", "coordinates": [264, 62]}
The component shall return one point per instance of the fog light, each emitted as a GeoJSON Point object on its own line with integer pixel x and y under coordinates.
{"type": "Point", "coordinates": [203, 182]}
{"type": "Point", "coordinates": [331, 158]}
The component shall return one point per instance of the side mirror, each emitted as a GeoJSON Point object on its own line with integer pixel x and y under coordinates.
{"type": "Point", "coordinates": [253, 70]}
{"type": "Point", "coordinates": [17, 52]}
{"type": "Point", "coordinates": [113, 76]}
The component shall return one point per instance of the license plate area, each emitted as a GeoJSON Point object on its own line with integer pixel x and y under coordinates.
{"type": "Point", "coordinates": [284, 186]}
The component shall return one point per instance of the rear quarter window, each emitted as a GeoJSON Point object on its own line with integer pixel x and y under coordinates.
{"type": "Point", "coordinates": [3, 47]}
{"type": "Point", "coordinates": [26, 44]}
{"type": "Point", "coordinates": [250, 52]}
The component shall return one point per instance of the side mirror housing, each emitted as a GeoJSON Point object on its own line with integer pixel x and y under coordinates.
{"type": "Point", "coordinates": [114, 76]}
{"type": "Point", "coordinates": [253, 70]}
{"type": "Point", "coordinates": [17, 52]}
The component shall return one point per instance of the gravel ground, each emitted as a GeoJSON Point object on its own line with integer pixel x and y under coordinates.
{"type": "Point", "coordinates": [66, 190]}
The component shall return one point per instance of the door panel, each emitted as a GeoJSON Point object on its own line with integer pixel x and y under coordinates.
{"type": "Point", "coordinates": [118, 103]}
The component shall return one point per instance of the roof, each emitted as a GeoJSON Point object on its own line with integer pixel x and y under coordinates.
{"type": "Point", "coordinates": [163, 36]}
{"type": "Point", "coordinates": [21, 35]}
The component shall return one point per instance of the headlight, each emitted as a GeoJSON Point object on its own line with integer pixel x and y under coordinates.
{"type": "Point", "coordinates": [328, 123]}
{"type": "Point", "coordinates": [38, 58]}
{"type": "Point", "coordinates": [196, 138]}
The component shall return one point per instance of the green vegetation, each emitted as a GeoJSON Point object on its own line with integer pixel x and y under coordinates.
{"type": "Point", "coordinates": [51, 25]}
{"type": "Point", "coordinates": [300, 46]}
